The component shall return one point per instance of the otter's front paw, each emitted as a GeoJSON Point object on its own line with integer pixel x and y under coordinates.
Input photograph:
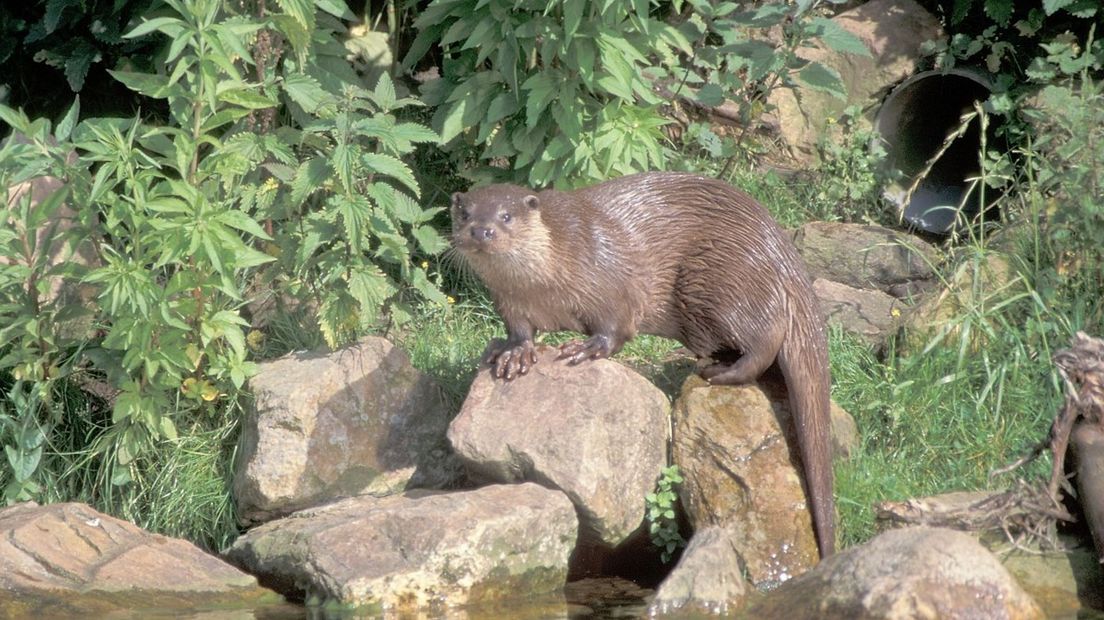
{"type": "Point", "coordinates": [509, 361]}
{"type": "Point", "coordinates": [595, 347]}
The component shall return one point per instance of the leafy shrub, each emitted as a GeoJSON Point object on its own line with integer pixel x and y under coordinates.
{"type": "Point", "coordinates": [566, 93]}
{"type": "Point", "coordinates": [185, 217]}
{"type": "Point", "coordinates": [555, 89]}
{"type": "Point", "coordinates": [67, 46]}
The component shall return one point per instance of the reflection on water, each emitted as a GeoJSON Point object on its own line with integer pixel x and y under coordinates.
{"type": "Point", "coordinates": [604, 598]}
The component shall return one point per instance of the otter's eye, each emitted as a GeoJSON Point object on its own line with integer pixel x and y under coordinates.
{"type": "Point", "coordinates": [462, 214]}
{"type": "Point", "coordinates": [506, 217]}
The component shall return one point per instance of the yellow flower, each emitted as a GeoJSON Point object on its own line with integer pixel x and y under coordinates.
{"type": "Point", "coordinates": [425, 264]}
{"type": "Point", "coordinates": [451, 299]}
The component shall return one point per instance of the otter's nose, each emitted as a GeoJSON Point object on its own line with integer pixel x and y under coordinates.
{"type": "Point", "coordinates": [482, 234]}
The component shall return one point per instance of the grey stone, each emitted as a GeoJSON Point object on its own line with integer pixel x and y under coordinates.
{"type": "Point", "coordinates": [322, 426]}
{"type": "Point", "coordinates": [869, 314]}
{"type": "Point", "coordinates": [419, 552]}
{"type": "Point", "coordinates": [708, 578]}
{"type": "Point", "coordinates": [893, 31]}
{"type": "Point", "coordinates": [903, 574]}
{"type": "Point", "coordinates": [864, 256]}
{"type": "Point", "coordinates": [597, 431]}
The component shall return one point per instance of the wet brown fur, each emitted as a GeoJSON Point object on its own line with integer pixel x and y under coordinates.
{"type": "Point", "coordinates": [672, 254]}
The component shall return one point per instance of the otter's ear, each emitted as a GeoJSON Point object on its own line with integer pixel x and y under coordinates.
{"type": "Point", "coordinates": [531, 202]}
{"type": "Point", "coordinates": [456, 199]}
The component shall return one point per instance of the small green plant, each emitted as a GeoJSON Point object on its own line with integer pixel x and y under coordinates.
{"type": "Point", "coordinates": [662, 519]}
{"type": "Point", "coordinates": [851, 172]}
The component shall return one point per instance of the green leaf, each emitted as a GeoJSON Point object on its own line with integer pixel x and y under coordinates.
{"type": "Point", "coordinates": [385, 92]}
{"type": "Point", "coordinates": [66, 124]}
{"type": "Point", "coordinates": [236, 219]}
{"type": "Point", "coordinates": [822, 78]}
{"type": "Point", "coordinates": [247, 98]}
{"type": "Point", "coordinates": [426, 288]}
{"type": "Point", "coordinates": [337, 8]}
{"type": "Point", "coordinates": [1053, 6]}
{"type": "Point", "coordinates": [307, 92]}
{"type": "Point", "coordinates": [839, 38]}
{"type": "Point", "coordinates": [158, 23]}
{"type": "Point", "coordinates": [385, 164]}
{"type": "Point", "coordinates": [430, 240]}
{"type": "Point", "coordinates": [710, 95]}
{"type": "Point", "coordinates": [149, 84]}
{"type": "Point", "coordinates": [452, 124]}
{"type": "Point", "coordinates": [308, 179]}
{"type": "Point", "coordinates": [76, 67]}
{"type": "Point", "coordinates": [301, 10]}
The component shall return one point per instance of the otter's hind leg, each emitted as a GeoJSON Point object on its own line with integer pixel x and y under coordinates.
{"type": "Point", "coordinates": [760, 347]}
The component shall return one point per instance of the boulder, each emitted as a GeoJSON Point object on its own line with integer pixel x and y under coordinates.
{"type": "Point", "coordinates": [869, 314]}
{"type": "Point", "coordinates": [708, 578]}
{"type": "Point", "coordinates": [419, 552]}
{"type": "Point", "coordinates": [732, 444]}
{"type": "Point", "coordinates": [64, 559]}
{"type": "Point", "coordinates": [865, 256]}
{"type": "Point", "coordinates": [327, 425]}
{"type": "Point", "coordinates": [597, 431]}
{"type": "Point", "coordinates": [902, 574]}
{"type": "Point", "coordinates": [894, 31]}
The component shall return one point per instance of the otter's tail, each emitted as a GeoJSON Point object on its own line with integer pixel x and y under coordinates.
{"type": "Point", "coordinates": [804, 362]}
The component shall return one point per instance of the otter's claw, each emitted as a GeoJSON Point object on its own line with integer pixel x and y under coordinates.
{"type": "Point", "coordinates": [595, 347]}
{"type": "Point", "coordinates": [509, 361]}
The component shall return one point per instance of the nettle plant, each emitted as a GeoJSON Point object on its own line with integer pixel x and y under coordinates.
{"type": "Point", "coordinates": [735, 57]}
{"type": "Point", "coordinates": [186, 214]}
{"type": "Point", "coordinates": [557, 89]}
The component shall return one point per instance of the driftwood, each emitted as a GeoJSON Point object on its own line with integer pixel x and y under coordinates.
{"type": "Point", "coordinates": [1029, 512]}
{"type": "Point", "coordinates": [1080, 424]}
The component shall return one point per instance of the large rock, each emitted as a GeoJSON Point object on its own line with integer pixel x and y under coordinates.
{"type": "Point", "coordinates": [894, 31]}
{"type": "Point", "coordinates": [864, 256]}
{"type": "Point", "coordinates": [732, 444]}
{"type": "Point", "coordinates": [597, 431]}
{"type": "Point", "coordinates": [904, 574]}
{"type": "Point", "coordinates": [418, 552]}
{"type": "Point", "coordinates": [322, 426]}
{"type": "Point", "coordinates": [63, 559]}
{"type": "Point", "coordinates": [708, 579]}
{"type": "Point", "coordinates": [869, 314]}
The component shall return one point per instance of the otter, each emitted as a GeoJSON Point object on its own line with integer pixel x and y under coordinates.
{"type": "Point", "coordinates": [672, 254]}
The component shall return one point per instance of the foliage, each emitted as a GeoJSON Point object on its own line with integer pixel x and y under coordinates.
{"type": "Point", "coordinates": [567, 92]}
{"type": "Point", "coordinates": [1065, 165]}
{"type": "Point", "coordinates": [183, 219]}
{"type": "Point", "coordinates": [661, 516]}
{"type": "Point", "coordinates": [67, 45]}
{"type": "Point", "coordinates": [340, 243]}
{"type": "Point", "coordinates": [851, 171]}
{"type": "Point", "coordinates": [555, 89]}
{"type": "Point", "coordinates": [735, 58]}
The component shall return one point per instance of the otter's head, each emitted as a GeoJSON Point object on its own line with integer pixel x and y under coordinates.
{"type": "Point", "coordinates": [500, 221]}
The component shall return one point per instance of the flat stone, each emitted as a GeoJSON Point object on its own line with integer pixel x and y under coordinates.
{"type": "Point", "coordinates": [63, 557]}
{"type": "Point", "coordinates": [419, 552]}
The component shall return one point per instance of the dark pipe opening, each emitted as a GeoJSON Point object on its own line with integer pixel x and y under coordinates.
{"type": "Point", "coordinates": [913, 123]}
